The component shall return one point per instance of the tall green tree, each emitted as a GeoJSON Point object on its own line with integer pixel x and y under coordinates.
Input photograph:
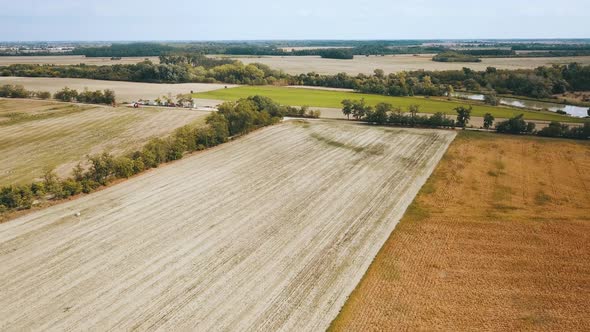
{"type": "Point", "coordinates": [360, 108]}
{"type": "Point", "coordinates": [463, 115]}
{"type": "Point", "coordinates": [488, 120]}
{"type": "Point", "coordinates": [347, 108]}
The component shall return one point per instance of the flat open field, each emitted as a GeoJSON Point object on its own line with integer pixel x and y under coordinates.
{"type": "Point", "coordinates": [71, 60]}
{"type": "Point", "coordinates": [397, 63]}
{"type": "Point", "coordinates": [333, 99]}
{"type": "Point", "coordinates": [36, 134]}
{"type": "Point", "coordinates": [269, 232]}
{"type": "Point", "coordinates": [496, 240]}
{"type": "Point", "coordinates": [125, 91]}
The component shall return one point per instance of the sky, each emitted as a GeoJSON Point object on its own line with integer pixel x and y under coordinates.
{"type": "Point", "coordinates": [112, 20]}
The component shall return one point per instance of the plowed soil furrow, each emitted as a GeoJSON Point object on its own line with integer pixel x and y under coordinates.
{"type": "Point", "coordinates": [270, 232]}
{"type": "Point", "coordinates": [49, 137]}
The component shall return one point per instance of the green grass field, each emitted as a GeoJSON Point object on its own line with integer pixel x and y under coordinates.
{"type": "Point", "coordinates": [333, 99]}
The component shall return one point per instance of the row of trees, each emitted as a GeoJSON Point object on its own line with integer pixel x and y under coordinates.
{"type": "Point", "coordinates": [106, 97]}
{"type": "Point", "coordinates": [455, 57]}
{"type": "Point", "coordinates": [542, 82]}
{"type": "Point", "coordinates": [385, 113]}
{"type": "Point", "coordinates": [518, 125]}
{"type": "Point", "coordinates": [19, 91]}
{"type": "Point", "coordinates": [125, 50]}
{"type": "Point", "coordinates": [301, 112]}
{"type": "Point", "coordinates": [66, 94]}
{"type": "Point", "coordinates": [233, 119]}
{"type": "Point", "coordinates": [337, 53]}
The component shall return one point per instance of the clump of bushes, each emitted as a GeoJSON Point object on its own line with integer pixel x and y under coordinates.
{"type": "Point", "coordinates": [301, 112]}
{"type": "Point", "coordinates": [19, 91]}
{"type": "Point", "coordinates": [233, 119]}
{"type": "Point", "coordinates": [556, 129]}
{"type": "Point", "coordinates": [455, 57]}
{"type": "Point", "coordinates": [517, 125]}
{"type": "Point", "coordinates": [90, 97]}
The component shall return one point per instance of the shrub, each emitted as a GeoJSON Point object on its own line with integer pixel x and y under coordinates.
{"type": "Point", "coordinates": [123, 167]}
{"type": "Point", "coordinates": [66, 94]}
{"type": "Point", "coordinates": [102, 167]}
{"type": "Point", "coordinates": [71, 187]}
{"type": "Point", "coordinates": [14, 91]}
{"type": "Point", "coordinates": [515, 125]}
{"type": "Point", "coordinates": [43, 94]}
{"type": "Point", "coordinates": [16, 197]}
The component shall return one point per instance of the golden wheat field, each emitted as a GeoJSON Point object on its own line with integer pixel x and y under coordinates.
{"type": "Point", "coordinates": [497, 239]}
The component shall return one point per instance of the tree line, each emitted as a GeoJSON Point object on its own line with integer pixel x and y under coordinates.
{"type": "Point", "coordinates": [455, 57]}
{"type": "Point", "coordinates": [387, 114]}
{"type": "Point", "coordinates": [125, 50]}
{"type": "Point", "coordinates": [19, 91]}
{"type": "Point", "coordinates": [106, 97]}
{"type": "Point", "coordinates": [542, 82]}
{"type": "Point", "coordinates": [233, 119]}
{"type": "Point", "coordinates": [517, 125]}
{"type": "Point", "coordinates": [66, 94]}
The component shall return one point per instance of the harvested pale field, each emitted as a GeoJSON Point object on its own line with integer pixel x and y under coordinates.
{"type": "Point", "coordinates": [124, 91]}
{"type": "Point", "coordinates": [269, 232]}
{"type": "Point", "coordinates": [496, 240]}
{"type": "Point", "coordinates": [35, 134]}
{"type": "Point", "coordinates": [397, 63]}
{"type": "Point", "coordinates": [71, 60]}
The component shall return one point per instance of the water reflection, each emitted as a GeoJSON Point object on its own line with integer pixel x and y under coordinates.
{"type": "Point", "coordinates": [572, 110]}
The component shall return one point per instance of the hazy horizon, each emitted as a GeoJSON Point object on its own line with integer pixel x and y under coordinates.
{"type": "Point", "coordinates": [178, 20]}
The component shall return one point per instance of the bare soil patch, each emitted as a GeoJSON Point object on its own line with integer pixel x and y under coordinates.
{"type": "Point", "coordinates": [497, 239]}
{"type": "Point", "coordinates": [270, 232]}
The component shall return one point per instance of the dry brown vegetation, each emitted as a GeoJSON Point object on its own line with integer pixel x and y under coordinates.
{"type": "Point", "coordinates": [496, 240]}
{"type": "Point", "coordinates": [36, 135]}
{"type": "Point", "coordinates": [396, 63]}
{"type": "Point", "coordinates": [268, 232]}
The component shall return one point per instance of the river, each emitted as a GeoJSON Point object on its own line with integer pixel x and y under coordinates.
{"type": "Point", "coordinates": [577, 111]}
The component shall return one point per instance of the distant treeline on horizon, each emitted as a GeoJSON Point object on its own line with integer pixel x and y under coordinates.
{"type": "Point", "coordinates": [338, 49]}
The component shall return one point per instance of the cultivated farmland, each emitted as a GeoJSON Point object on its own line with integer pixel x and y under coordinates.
{"type": "Point", "coordinates": [71, 60]}
{"type": "Point", "coordinates": [333, 99]}
{"type": "Point", "coordinates": [125, 91]}
{"type": "Point", "coordinates": [398, 63]}
{"type": "Point", "coordinates": [497, 239]}
{"type": "Point", "coordinates": [35, 134]}
{"type": "Point", "coordinates": [269, 232]}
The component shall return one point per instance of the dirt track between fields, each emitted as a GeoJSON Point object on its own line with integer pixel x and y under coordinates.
{"type": "Point", "coordinates": [270, 232]}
